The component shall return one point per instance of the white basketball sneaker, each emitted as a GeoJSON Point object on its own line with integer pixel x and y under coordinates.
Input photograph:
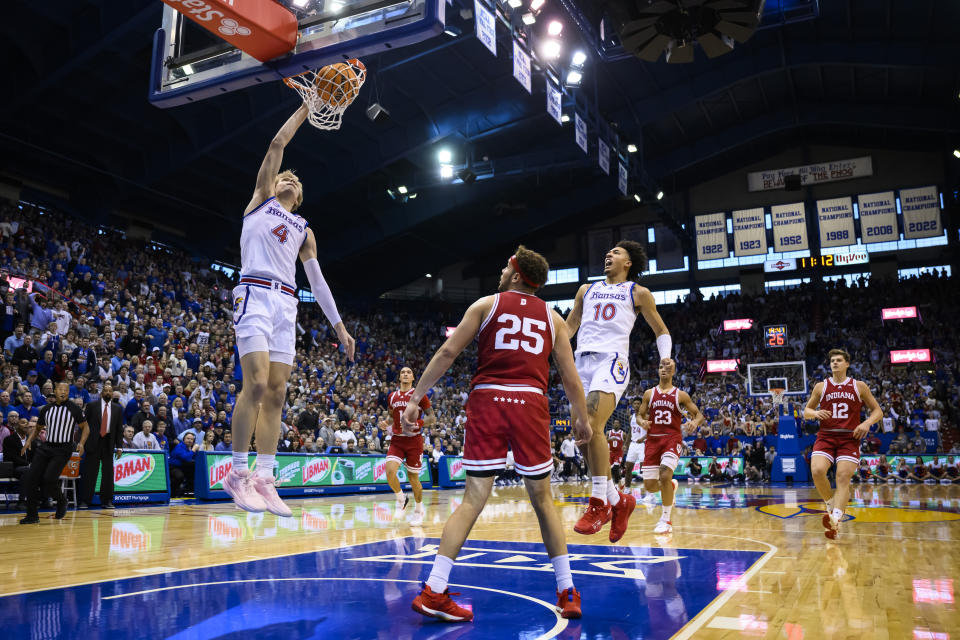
{"type": "Point", "coordinates": [418, 513]}
{"type": "Point", "coordinates": [663, 526]}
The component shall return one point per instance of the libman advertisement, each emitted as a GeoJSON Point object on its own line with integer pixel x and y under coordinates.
{"type": "Point", "coordinates": [455, 470]}
{"type": "Point", "coordinates": [131, 536]}
{"type": "Point", "coordinates": [305, 470]}
{"type": "Point", "coordinates": [137, 474]}
{"type": "Point", "coordinates": [683, 467]}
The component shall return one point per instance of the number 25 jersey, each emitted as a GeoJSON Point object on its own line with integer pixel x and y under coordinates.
{"type": "Point", "coordinates": [514, 342]}
{"type": "Point", "coordinates": [270, 242]}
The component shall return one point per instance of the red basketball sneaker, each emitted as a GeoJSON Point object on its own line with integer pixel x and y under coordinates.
{"type": "Point", "coordinates": [832, 527]}
{"type": "Point", "coordinates": [597, 515]}
{"type": "Point", "coordinates": [621, 516]}
{"type": "Point", "coordinates": [568, 603]}
{"type": "Point", "coordinates": [440, 606]}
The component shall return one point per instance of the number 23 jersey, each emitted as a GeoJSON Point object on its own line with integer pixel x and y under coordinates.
{"type": "Point", "coordinates": [843, 403]}
{"type": "Point", "coordinates": [514, 342]}
{"type": "Point", "coordinates": [270, 242]}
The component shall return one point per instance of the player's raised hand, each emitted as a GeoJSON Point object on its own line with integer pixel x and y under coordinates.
{"type": "Point", "coordinates": [823, 414]}
{"type": "Point", "coordinates": [349, 344]}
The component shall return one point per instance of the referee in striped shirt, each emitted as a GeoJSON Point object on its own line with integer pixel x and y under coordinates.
{"type": "Point", "coordinates": [61, 420]}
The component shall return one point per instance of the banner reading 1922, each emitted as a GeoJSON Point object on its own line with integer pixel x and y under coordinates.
{"type": "Point", "coordinates": [711, 236]}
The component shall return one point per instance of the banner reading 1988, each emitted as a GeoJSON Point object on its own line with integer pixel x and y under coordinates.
{"type": "Point", "coordinates": [878, 217]}
{"type": "Point", "coordinates": [789, 227]}
{"type": "Point", "coordinates": [836, 222]}
{"type": "Point", "coordinates": [711, 236]}
{"type": "Point", "coordinates": [749, 232]}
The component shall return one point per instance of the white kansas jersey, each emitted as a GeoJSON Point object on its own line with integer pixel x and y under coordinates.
{"type": "Point", "coordinates": [270, 242]}
{"type": "Point", "coordinates": [637, 432]}
{"type": "Point", "coordinates": [608, 318]}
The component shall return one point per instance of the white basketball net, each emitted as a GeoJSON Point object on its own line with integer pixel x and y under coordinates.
{"type": "Point", "coordinates": [326, 94]}
{"type": "Point", "coordinates": [778, 396]}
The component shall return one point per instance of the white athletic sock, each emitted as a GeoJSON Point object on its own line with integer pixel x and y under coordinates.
{"type": "Point", "coordinates": [837, 515]}
{"type": "Point", "coordinates": [613, 496]}
{"type": "Point", "coordinates": [240, 461]}
{"type": "Point", "coordinates": [440, 574]}
{"type": "Point", "coordinates": [666, 512]}
{"type": "Point", "coordinates": [561, 568]}
{"type": "Point", "coordinates": [265, 465]}
{"type": "Point", "coordinates": [599, 490]}
{"type": "Point", "coordinates": [399, 495]}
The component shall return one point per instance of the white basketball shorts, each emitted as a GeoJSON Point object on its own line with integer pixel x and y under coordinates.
{"type": "Point", "coordinates": [607, 372]}
{"type": "Point", "coordinates": [265, 319]}
{"type": "Point", "coordinates": [635, 452]}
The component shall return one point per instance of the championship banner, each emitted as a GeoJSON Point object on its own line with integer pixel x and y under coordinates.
{"type": "Point", "coordinates": [139, 476]}
{"type": "Point", "coordinates": [789, 227]}
{"type": "Point", "coordinates": [711, 236]}
{"type": "Point", "coordinates": [486, 26]}
{"type": "Point", "coordinates": [623, 178]}
{"type": "Point", "coordinates": [878, 217]}
{"type": "Point", "coordinates": [554, 107]}
{"type": "Point", "coordinates": [521, 66]}
{"type": "Point", "coordinates": [836, 222]}
{"type": "Point", "coordinates": [603, 156]}
{"type": "Point", "coordinates": [580, 131]}
{"type": "Point", "coordinates": [749, 232]}
{"type": "Point", "coordinates": [811, 174]}
{"type": "Point", "coordinates": [921, 213]}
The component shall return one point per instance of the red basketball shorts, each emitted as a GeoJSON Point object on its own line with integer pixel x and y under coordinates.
{"type": "Point", "coordinates": [500, 416]}
{"type": "Point", "coordinates": [661, 451]}
{"type": "Point", "coordinates": [616, 456]}
{"type": "Point", "coordinates": [836, 446]}
{"type": "Point", "coordinates": [407, 450]}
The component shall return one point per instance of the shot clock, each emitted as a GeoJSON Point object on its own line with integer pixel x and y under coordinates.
{"type": "Point", "coordinates": [775, 335]}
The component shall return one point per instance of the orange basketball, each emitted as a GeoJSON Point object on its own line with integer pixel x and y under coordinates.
{"type": "Point", "coordinates": [338, 84]}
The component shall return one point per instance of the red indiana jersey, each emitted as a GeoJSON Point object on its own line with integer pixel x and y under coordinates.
{"type": "Point", "coordinates": [615, 439]}
{"type": "Point", "coordinates": [843, 403]}
{"type": "Point", "coordinates": [664, 412]}
{"type": "Point", "coordinates": [398, 402]}
{"type": "Point", "coordinates": [514, 342]}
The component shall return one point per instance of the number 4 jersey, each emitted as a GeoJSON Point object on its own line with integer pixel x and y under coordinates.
{"type": "Point", "coordinates": [514, 342]}
{"type": "Point", "coordinates": [843, 403]}
{"type": "Point", "coordinates": [270, 242]}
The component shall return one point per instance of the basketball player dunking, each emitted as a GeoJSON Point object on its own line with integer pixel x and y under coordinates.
{"type": "Point", "coordinates": [265, 319]}
{"type": "Point", "coordinates": [836, 403]}
{"type": "Point", "coordinates": [603, 345]}
{"type": "Point", "coordinates": [662, 414]}
{"type": "Point", "coordinates": [516, 333]}
{"type": "Point", "coordinates": [406, 446]}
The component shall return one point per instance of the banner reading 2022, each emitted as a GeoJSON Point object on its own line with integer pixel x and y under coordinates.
{"type": "Point", "coordinates": [306, 470]}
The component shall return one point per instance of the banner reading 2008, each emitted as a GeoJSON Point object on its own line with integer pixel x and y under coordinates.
{"type": "Point", "coordinates": [789, 227]}
{"type": "Point", "coordinates": [749, 232]}
{"type": "Point", "coordinates": [711, 236]}
{"type": "Point", "coordinates": [878, 217]}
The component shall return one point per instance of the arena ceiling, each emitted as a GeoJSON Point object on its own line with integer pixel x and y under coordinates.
{"type": "Point", "coordinates": [864, 73]}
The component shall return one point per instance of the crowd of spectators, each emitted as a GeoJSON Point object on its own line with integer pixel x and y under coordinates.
{"type": "Point", "coordinates": [88, 305]}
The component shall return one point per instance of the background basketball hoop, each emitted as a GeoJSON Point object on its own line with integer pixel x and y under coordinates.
{"type": "Point", "coordinates": [777, 396]}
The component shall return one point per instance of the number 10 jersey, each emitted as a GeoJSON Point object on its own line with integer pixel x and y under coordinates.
{"type": "Point", "coordinates": [514, 342]}
{"type": "Point", "coordinates": [608, 318]}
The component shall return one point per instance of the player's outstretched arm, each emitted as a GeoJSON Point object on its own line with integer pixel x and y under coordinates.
{"type": "Point", "coordinates": [810, 412]}
{"type": "Point", "coordinates": [643, 300]}
{"type": "Point", "coordinates": [876, 413]}
{"type": "Point", "coordinates": [563, 358]}
{"type": "Point", "coordinates": [687, 403]}
{"type": "Point", "coordinates": [322, 294]}
{"type": "Point", "coordinates": [270, 167]}
{"type": "Point", "coordinates": [463, 335]}
{"type": "Point", "coordinates": [573, 318]}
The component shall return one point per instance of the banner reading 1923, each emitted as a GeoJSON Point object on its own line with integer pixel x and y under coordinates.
{"type": "Point", "coordinates": [711, 236]}
{"type": "Point", "coordinates": [749, 232]}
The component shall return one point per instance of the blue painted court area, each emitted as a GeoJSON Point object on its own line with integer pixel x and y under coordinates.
{"type": "Point", "coordinates": [365, 591]}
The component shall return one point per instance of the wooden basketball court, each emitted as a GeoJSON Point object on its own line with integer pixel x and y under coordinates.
{"type": "Point", "coordinates": [742, 561]}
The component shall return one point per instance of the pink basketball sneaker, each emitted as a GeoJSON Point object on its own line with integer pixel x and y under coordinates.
{"type": "Point", "coordinates": [268, 493]}
{"type": "Point", "coordinates": [239, 486]}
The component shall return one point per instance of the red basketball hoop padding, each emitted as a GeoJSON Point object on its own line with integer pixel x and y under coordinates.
{"type": "Point", "coordinates": [262, 28]}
